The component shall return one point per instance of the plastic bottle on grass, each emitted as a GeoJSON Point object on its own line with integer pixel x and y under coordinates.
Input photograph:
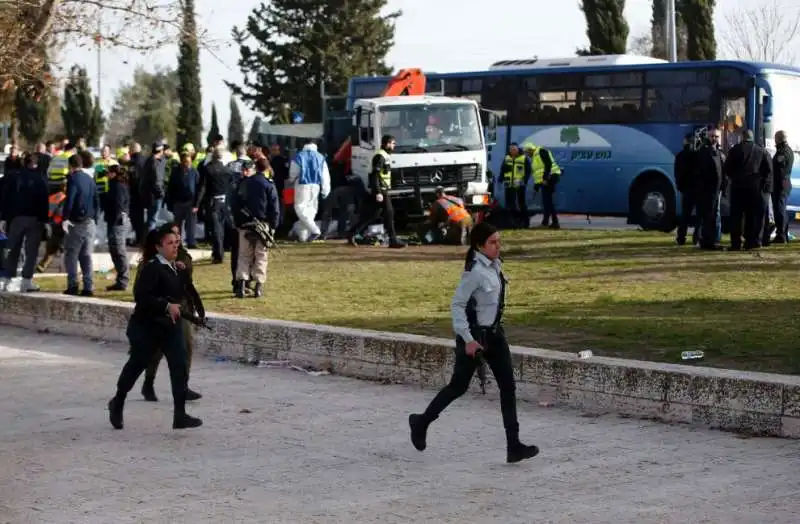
{"type": "Point", "coordinates": [692, 355]}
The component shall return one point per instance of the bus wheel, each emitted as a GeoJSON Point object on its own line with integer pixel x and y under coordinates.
{"type": "Point", "coordinates": [653, 204]}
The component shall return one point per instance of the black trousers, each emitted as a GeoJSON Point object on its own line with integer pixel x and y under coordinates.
{"type": "Point", "coordinates": [707, 205]}
{"type": "Point", "coordinates": [548, 203]}
{"type": "Point", "coordinates": [688, 206]}
{"type": "Point", "coordinates": [498, 356]}
{"type": "Point", "coordinates": [748, 210]}
{"type": "Point", "coordinates": [372, 211]}
{"type": "Point", "coordinates": [515, 201]}
{"type": "Point", "coordinates": [779, 199]}
{"type": "Point", "coordinates": [145, 340]}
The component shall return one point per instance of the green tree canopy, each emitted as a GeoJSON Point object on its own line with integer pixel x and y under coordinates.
{"type": "Point", "coordinates": [701, 43]}
{"type": "Point", "coordinates": [79, 111]}
{"type": "Point", "coordinates": [31, 111]}
{"type": "Point", "coordinates": [235, 124]}
{"type": "Point", "coordinates": [605, 26]}
{"type": "Point", "coordinates": [255, 131]}
{"type": "Point", "coordinates": [190, 113]}
{"type": "Point", "coordinates": [288, 48]}
{"type": "Point", "coordinates": [214, 130]}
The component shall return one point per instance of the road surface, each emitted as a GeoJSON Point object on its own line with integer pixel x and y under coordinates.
{"type": "Point", "coordinates": [281, 446]}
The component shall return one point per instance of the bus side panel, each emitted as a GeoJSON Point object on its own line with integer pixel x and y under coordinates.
{"type": "Point", "coordinates": [600, 162]}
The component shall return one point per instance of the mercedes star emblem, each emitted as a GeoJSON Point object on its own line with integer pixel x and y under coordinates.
{"type": "Point", "coordinates": [437, 177]}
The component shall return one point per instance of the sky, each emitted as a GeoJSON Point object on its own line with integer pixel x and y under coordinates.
{"type": "Point", "coordinates": [468, 41]}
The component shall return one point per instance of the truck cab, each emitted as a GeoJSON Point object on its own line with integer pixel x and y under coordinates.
{"type": "Point", "coordinates": [440, 142]}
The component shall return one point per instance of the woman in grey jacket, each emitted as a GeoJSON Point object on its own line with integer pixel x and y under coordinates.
{"type": "Point", "coordinates": [477, 312]}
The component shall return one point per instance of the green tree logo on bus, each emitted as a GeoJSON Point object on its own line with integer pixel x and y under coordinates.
{"type": "Point", "coordinates": [570, 135]}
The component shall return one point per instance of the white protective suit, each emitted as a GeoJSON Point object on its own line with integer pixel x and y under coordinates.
{"type": "Point", "coordinates": [310, 183]}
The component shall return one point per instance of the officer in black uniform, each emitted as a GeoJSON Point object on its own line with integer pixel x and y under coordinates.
{"type": "Point", "coordinates": [477, 311]}
{"type": "Point", "coordinates": [750, 170]}
{"type": "Point", "coordinates": [782, 164]}
{"type": "Point", "coordinates": [156, 323]}
{"type": "Point", "coordinates": [379, 203]}
{"type": "Point", "coordinates": [708, 166]}
{"type": "Point", "coordinates": [686, 183]}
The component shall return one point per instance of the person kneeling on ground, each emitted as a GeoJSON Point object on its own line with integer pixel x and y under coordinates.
{"type": "Point", "coordinates": [257, 217]}
{"type": "Point", "coordinates": [449, 221]}
{"type": "Point", "coordinates": [156, 323]}
{"type": "Point", "coordinates": [192, 303]}
{"type": "Point", "coordinates": [477, 311]}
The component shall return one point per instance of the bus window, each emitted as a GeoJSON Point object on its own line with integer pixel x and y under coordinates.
{"type": "Point", "coordinates": [618, 105]}
{"type": "Point", "coordinates": [679, 104]}
{"type": "Point", "coordinates": [497, 95]}
{"type": "Point", "coordinates": [697, 104]}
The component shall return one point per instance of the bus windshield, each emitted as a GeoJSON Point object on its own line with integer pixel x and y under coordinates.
{"type": "Point", "coordinates": [785, 108]}
{"type": "Point", "coordinates": [432, 127]}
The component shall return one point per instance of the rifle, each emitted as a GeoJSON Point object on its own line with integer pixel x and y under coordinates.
{"type": "Point", "coordinates": [194, 319]}
{"type": "Point", "coordinates": [481, 370]}
{"type": "Point", "coordinates": [261, 229]}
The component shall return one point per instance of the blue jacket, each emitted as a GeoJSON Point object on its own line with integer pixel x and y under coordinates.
{"type": "Point", "coordinates": [311, 164]}
{"type": "Point", "coordinates": [182, 187]}
{"type": "Point", "coordinates": [25, 194]}
{"type": "Point", "coordinates": [82, 201]}
{"type": "Point", "coordinates": [258, 195]}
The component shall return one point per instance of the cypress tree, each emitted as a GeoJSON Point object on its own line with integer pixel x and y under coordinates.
{"type": "Point", "coordinates": [214, 131]}
{"type": "Point", "coordinates": [606, 27]}
{"type": "Point", "coordinates": [700, 41]}
{"type": "Point", "coordinates": [31, 114]}
{"type": "Point", "coordinates": [659, 29]}
{"type": "Point", "coordinates": [80, 113]}
{"type": "Point", "coordinates": [235, 124]}
{"type": "Point", "coordinates": [190, 113]}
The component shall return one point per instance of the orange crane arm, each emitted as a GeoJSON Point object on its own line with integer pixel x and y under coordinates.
{"type": "Point", "coordinates": [407, 82]}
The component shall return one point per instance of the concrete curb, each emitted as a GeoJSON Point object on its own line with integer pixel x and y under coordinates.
{"type": "Point", "coordinates": [756, 403]}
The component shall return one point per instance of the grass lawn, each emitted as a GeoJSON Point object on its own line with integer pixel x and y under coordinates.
{"type": "Point", "coordinates": [620, 293]}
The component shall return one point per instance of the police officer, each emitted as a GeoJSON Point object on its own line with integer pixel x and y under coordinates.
{"type": "Point", "coordinates": [215, 188]}
{"type": "Point", "coordinates": [686, 183]}
{"type": "Point", "coordinates": [379, 202]}
{"type": "Point", "coordinates": [516, 172]}
{"type": "Point", "coordinates": [156, 323]}
{"type": "Point", "coordinates": [782, 164]}
{"type": "Point", "coordinates": [750, 170]}
{"type": "Point", "coordinates": [546, 174]}
{"type": "Point", "coordinates": [81, 208]}
{"type": "Point", "coordinates": [708, 165]}
{"type": "Point", "coordinates": [477, 311]}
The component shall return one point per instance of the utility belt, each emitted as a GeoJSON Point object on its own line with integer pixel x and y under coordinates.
{"type": "Point", "coordinates": [220, 198]}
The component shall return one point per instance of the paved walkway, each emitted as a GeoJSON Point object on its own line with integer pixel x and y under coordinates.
{"type": "Point", "coordinates": [285, 447]}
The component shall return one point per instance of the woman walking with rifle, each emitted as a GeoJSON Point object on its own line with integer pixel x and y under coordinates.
{"type": "Point", "coordinates": [156, 323]}
{"type": "Point", "coordinates": [477, 312]}
{"type": "Point", "coordinates": [191, 305]}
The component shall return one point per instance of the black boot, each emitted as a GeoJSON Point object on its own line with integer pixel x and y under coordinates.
{"type": "Point", "coordinates": [115, 407]}
{"type": "Point", "coordinates": [184, 421]}
{"type": "Point", "coordinates": [192, 395]}
{"type": "Point", "coordinates": [259, 291]}
{"type": "Point", "coordinates": [239, 289]}
{"type": "Point", "coordinates": [148, 391]}
{"type": "Point", "coordinates": [419, 431]}
{"type": "Point", "coordinates": [516, 450]}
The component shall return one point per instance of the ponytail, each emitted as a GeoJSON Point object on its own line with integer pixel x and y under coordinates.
{"type": "Point", "coordinates": [477, 238]}
{"type": "Point", "coordinates": [470, 258]}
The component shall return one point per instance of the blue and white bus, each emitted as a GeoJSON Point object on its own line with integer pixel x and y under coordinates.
{"type": "Point", "coordinates": [614, 123]}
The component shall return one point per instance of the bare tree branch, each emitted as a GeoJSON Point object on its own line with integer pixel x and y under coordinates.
{"type": "Point", "coordinates": [764, 33]}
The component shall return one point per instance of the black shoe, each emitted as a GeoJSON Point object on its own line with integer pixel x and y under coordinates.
{"type": "Point", "coordinates": [519, 452]}
{"type": "Point", "coordinates": [680, 241]}
{"type": "Point", "coordinates": [87, 293]}
{"type": "Point", "coordinates": [555, 225]}
{"type": "Point", "coordinates": [259, 291]}
{"type": "Point", "coordinates": [419, 431]}
{"type": "Point", "coordinates": [72, 291]}
{"type": "Point", "coordinates": [397, 245]}
{"type": "Point", "coordinates": [186, 422]}
{"type": "Point", "coordinates": [148, 392]}
{"type": "Point", "coordinates": [192, 395]}
{"type": "Point", "coordinates": [351, 239]}
{"type": "Point", "coordinates": [239, 289]}
{"type": "Point", "coordinates": [115, 407]}
{"type": "Point", "coordinates": [116, 287]}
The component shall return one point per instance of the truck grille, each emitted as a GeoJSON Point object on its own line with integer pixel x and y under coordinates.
{"type": "Point", "coordinates": [434, 176]}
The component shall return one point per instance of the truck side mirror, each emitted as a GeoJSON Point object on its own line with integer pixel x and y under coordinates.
{"type": "Point", "coordinates": [354, 130]}
{"type": "Point", "coordinates": [767, 101]}
{"type": "Point", "coordinates": [489, 120]}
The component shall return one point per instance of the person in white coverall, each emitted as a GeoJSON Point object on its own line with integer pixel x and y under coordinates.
{"type": "Point", "coordinates": [312, 180]}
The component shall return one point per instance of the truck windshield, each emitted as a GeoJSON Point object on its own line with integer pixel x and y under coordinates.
{"type": "Point", "coordinates": [432, 127]}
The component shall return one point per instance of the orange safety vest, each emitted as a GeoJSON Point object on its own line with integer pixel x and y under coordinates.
{"type": "Point", "coordinates": [56, 200]}
{"type": "Point", "coordinates": [455, 212]}
{"type": "Point", "coordinates": [288, 196]}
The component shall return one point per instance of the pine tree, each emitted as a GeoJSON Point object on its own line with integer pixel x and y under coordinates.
{"type": "Point", "coordinates": [214, 131]}
{"type": "Point", "coordinates": [299, 44]}
{"type": "Point", "coordinates": [606, 27]}
{"type": "Point", "coordinates": [190, 114]}
{"type": "Point", "coordinates": [81, 116]}
{"type": "Point", "coordinates": [31, 114]}
{"type": "Point", "coordinates": [700, 41]}
{"type": "Point", "coordinates": [235, 124]}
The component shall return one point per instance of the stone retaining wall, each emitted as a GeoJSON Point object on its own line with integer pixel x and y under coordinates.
{"type": "Point", "coordinates": [756, 403]}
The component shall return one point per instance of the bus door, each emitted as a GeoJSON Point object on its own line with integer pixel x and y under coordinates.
{"type": "Point", "coordinates": [762, 106]}
{"type": "Point", "coordinates": [733, 109]}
